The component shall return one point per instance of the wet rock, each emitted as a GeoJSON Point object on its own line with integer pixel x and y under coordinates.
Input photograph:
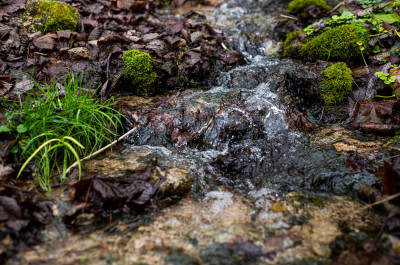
{"type": "Point", "coordinates": [24, 86]}
{"type": "Point", "coordinates": [79, 53]}
{"type": "Point", "coordinates": [301, 81]}
{"type": "Point", "coordinates": [344, 148]}
{"type": "Point", "coordinates": [172, 181]}
{"type": "Point", "coordinates": [178, 182]}
{"type": "Point", "coordinates": [368, 144]}
{"type": "Point", "coordinates": [231, 253]}
{"type": "Point", "coordinates": [246, 77]}
{"type": "Point", "coordinates": [228, 227]}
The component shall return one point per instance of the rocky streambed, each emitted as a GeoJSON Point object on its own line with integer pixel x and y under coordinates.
{"type": "Point", "coordinates": [229, 174]}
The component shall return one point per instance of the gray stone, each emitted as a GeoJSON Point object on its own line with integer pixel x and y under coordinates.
{"type": "Point", "coordinates": [79, 53]}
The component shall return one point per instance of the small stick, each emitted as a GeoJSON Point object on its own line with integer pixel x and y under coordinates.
{"type": "Point", "coordinates": [322, 114]}
{"type": "Point", "coordinates": [397, 33]}
{"type": "Point", "coordinates": [87, 194]}
{"type": "Point", "coordinates": [102, 149]}
{"type": "Point", "coordinates": [289, 17]}
{"type": "Point", "coordinates": [386, 159]}
{"type": "Point", "coordinates": [394, 148]}
{"type": "Point", "coordinates": [108, 66]}
{"type": "Point", "coordinates": [224, 47]}
{"type": "Point", "coordinates": [336, 7]}
{"type": "Point", "coordinates": [379, 202]}
{"type": "Point", "coordinates": [365, 96]}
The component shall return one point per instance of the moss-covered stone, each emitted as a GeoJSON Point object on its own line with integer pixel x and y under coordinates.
{"type": "Point", "coordinates": [288, 46]}
{"type": "Point", "coordinates": [336, 83]}
{"type": "Point", "coordinates": [139, 67]}
{"type": "Point", "coordinates": [341, 43]}
{"type": "Point", "coordinates": [49, 15]}
{"type": "Point", "coordinates": [299, 5]}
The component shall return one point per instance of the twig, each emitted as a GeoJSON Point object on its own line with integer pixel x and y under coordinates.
{"type": "Point", "coordinates": [381, 201]}
{"type": "Point", "coordinates": [365, 96]}
{"type": "Point", "coordinates": [322, 114]}
{"type": "Point", "coordinates": [102, 149]}
{"type": "Point", "coordinates": [336, 7]}
{"type": "Point", "coordinates": [386, 159]}
{"type": "Point", "coordinates": [108, 66]}
{"type": "Point", "coordinates": [394, 148]}
{"type": "Point", "coordinates": [87, 194]}
{"type": "Point", "coordinates": [114, 82]}
{"type": "Point", "coordinates": [289, 17]}
{"type": "Point", "coordinates": [224, 46]}
{"type": "Point", "coordinates": [397, 33]}
{"type": "Point", "coordinates": [204, 127]}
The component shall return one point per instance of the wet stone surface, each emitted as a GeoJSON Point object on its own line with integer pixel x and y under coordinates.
{"type": "Point", "coordinates": [266, 227]}
{"type": "Point", "coordinates": [248, 187]}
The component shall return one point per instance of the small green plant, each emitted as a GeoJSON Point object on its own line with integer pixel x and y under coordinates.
{"type": "Point", "coordinates": [376, 49]}
{"type": "Point", "coordinates": [139, 67]}
{"type": "Point", "coordinates": [384, 60]}
{"type": "Point", "coordinates": [310, 30]}
{"type": "Point", "coordinates": [385, 78]}
{"type": "Point", "coordinates": [395, 139]}
{"type": "Point", "coordinates": [362, 48]}
{"type": "Point", "coordinates": [369, 18]}
{"type": "Point", "coordinates": [46, 158]}
{"type": "Point", "coordinates": [344, 17]}
{"type": "Point", "coordinates": [298, 5]}
{"type": "Point", "coordinates": [52, 15]}
{"type": "Point", "coordinates": [54, 129]}
{"type": "Point", "coordinates": [368, 3]}
{"type": "Point", "coordinates": [394, 50]}
{"type": "Point", "coordinates": [340, 43]}
{"type": "Point", "coordinates": [336, 83]}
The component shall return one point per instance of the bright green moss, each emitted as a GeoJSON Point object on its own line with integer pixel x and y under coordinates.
{"type": "Point", "coordinates": [341, 43]}
{"type": "Point", "coordinates": [52, 15]}
{"type": "Point", "coordinates": [336, 83]}
{"type": "Point", "coordinates": [288, 48]}
{"type": "Point", "coordinates": [298, 5]}
{"type": "Point", "coordinates": [139, 68]}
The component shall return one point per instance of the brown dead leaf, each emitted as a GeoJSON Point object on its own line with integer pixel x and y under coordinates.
{"type": "Point", "coordinates": [46, 42]}
{"type": "Point", "coordinates": [391, 177]}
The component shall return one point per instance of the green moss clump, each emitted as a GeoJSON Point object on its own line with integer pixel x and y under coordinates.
{"type": "Point", "coordinates": [52, 15]}
{"type": "Point", "coordinates": [336, 83]}
{"type": "Point", "coordinates": [139, 67]}
{"type": "Point", "coordinates": [341, 43]}
{"type": "Point", "coordinates": [298, 5]}
{"type": "Point", "coordinates": [288, 47]}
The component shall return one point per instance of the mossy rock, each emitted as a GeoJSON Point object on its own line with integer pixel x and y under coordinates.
{"type": "Point", "coordinates": [341, 43]}
{"type": "Point", "coordinates": [51, 15]}
{"type": "Point", "coordinates": [290, 46]}
{"type": "Point", "coordinates": [336, 83]}
{"type": "Point", "coordinates": [139, 67]}
{"type": "Point", "coordinates": [297, 6]}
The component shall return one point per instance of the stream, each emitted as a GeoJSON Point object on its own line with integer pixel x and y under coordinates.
{"type": "Point", "coordinates": [261, 191]}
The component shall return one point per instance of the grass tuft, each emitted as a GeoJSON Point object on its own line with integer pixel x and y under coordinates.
{"type": "Point", "coordinates": [55, 128]}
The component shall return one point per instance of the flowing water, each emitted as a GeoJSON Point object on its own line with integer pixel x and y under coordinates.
{"type": "Point", "coordinates": [259, 186]}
